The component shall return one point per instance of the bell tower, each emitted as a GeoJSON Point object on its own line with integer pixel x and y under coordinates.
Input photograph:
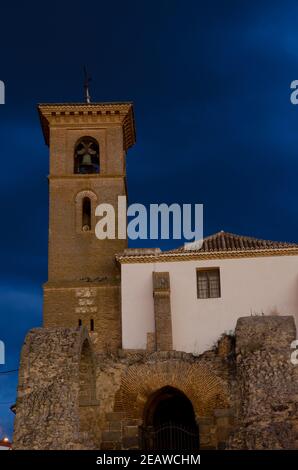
{"type": "Point", "coordinates": [88, 143]}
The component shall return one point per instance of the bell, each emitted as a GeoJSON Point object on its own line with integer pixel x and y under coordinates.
{"type": "Point", "coordinates": [86, 161]}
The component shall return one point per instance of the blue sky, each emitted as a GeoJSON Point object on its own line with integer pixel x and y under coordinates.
{"type": "Point", "coordinates": [211, 87]}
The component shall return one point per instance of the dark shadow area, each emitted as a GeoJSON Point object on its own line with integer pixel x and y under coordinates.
{"type": "Point", "coordinates": [169, 422]}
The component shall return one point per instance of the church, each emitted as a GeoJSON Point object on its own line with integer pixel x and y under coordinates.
{"type": "Point", "coordinates": [149, 349]}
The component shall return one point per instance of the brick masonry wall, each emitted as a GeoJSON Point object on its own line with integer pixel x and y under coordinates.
{"type": "Point", "coordinates": [74, 255]}
{"type": "Point", "coordinates": [67, 303]}
{"type": "Point", "coordinates": [162, 311]}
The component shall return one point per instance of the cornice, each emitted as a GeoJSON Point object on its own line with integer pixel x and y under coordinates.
{"type": "Point", "coordinates": [79, 114]}
{"type": "Point", "coordinates": [87, 177]}
{"type": "Point", "coordinates": [190, 256]}
{"type": "Point", "coordinates": [103, 284]}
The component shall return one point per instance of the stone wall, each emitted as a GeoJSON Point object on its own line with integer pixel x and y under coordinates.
{"type": "Point", "coordinates": [56, 391]}
{"type": "Point", "coordinates": [267, 384]}
{"type": "Point", "coordinates": [126, 386]}
{"type": "Point", "coordinates": [243, 397]}
{"type": "Point", "coordinates": [68, 400]}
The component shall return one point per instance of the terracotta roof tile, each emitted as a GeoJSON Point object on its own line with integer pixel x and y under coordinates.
{"type": "Point", "coordinates": [219, 245]}
{"type": "Point", "coordinates": [224, 241]}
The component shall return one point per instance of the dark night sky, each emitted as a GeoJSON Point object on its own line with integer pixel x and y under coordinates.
{"type": "Point", "coordinates": [211, 85]}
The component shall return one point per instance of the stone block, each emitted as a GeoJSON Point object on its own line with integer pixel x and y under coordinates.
{"type": "Point", "coordinates": [130, 442]}
{"type": "Point", "coordinates": [131, 431]}
{"type": "Point", "coordinates": [115, 416]}
{"type": "Point", "coordinates": [115, 425]}
{"type": "Point", "coordinates": [264, 332]}
{"type": "Point", "coordinates": [107, 446]}
{"type": "Point", "coordinates": [111, 436]}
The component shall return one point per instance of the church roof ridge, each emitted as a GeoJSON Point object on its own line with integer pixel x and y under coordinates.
{"type": "Point", "coordinates": [218, 245]}
{"type": "Point", "coordinates": [227, 241]}
{"type": "Point", "coordinates": [83, 103]}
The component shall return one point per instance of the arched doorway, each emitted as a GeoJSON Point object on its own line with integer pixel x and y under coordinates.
{"type": "Point", "coordinates": [169, 422]}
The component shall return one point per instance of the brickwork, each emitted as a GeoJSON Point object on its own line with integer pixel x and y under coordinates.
{"type": "Point", "coordinates": [193, 377]}
{"type": "Point", "coordinates": [204, 381]}
{"type": "Point", "coordinates": [162, 311]}
{"type": "Point", "coordinates": [67, 304]}
{"type": "Point", "coordinates": [83, 278]}
{"type": "Point", "coordinates": [151, 342]}
{"type": "Point", "coordinates": [78, 210]}
{"type": "Point", "coordinates": [74, 254]}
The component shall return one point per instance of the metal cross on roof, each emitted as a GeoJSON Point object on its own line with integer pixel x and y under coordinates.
{"type": "Point", "coordinates": [87, 80]}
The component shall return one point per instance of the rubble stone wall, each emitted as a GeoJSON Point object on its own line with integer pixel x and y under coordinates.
{"type": "Point", "coordinates": [267, 384]}
{"type": "Point", "coordinates": [49, 390]}
{"type": "Point", "coordinates": [244, 392]}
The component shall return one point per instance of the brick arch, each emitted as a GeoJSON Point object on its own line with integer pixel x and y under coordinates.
{"type": "Point", "coordinates": [202, 387]}
{"type": "Point", "coordinates": [86, 142]}
{"type": "Point", "coordinates": [86, 193]}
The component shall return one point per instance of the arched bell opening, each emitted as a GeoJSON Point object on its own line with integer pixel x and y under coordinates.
{"type": "Point", "coordinates": [86, 156]}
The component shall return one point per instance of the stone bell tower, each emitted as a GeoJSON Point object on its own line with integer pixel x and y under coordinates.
{"type": "Point", "coordinates": [88, 145]}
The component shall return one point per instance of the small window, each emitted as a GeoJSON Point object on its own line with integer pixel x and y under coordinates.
{"type": "Point", "coordinates": [80, 322]}
{"type": "Point", "coordinates": [91, 324]}
{"type": "Point", "coordinates": [86, 214]}
{"type": "Point", "coordinates": [208, 283]}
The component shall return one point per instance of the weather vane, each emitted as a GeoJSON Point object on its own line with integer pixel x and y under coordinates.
{"type": "Point", "coordinates": [87, 80]}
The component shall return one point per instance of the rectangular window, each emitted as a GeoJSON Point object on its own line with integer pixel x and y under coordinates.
{"type": "Point", "coordinates": [208, 283]}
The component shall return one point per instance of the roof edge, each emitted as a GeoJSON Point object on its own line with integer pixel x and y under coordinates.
{"type": "Point", "coordinates": [204, 255]}
{"type": "Point", "coordinates": [79, 111]}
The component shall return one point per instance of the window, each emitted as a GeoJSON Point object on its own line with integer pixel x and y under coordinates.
{"type": "Point", "coordinates": [80, 322]}
{"type": "Point", "coordinates": [91, 324]}
{"type": "Point", "coordinates": [85, 202]}
{"type": "Point", "coordinates": [86, 214]}
{"type": "Point", "coordinates": [208, 283]}
{"type": "Point", "coordinates": [86, 158]}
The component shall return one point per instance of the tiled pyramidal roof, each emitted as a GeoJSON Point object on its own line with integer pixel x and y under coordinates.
{"type": "Point", "coordinates": [224, 241]}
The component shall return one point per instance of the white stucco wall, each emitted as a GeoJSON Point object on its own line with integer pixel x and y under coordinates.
{"type": "Point", "coordinates": [248, 286]}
